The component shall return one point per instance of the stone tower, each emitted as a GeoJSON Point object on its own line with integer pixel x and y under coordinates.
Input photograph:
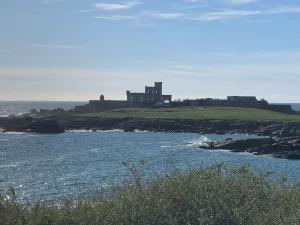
{"type": "Point", "coordinates": [102, 98]}
{"type": "Point", "coordinates": [158, 87]}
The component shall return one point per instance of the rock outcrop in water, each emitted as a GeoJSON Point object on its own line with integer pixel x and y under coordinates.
{"type": "Point", "coordinates": [48, 126]}
{"type": "Point", "coordinates": [28, 124]}
{"type": "Point", "coordinates": [286, 147]}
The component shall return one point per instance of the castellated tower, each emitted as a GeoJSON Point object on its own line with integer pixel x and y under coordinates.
{"type": "Point", "coordinates": [152, 96]}
{"type": "Point", "coordinates": [158, 88]}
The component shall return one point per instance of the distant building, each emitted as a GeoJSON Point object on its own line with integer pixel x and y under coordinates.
{"type": "Point", "coordinates": [151, 96]}
{"type": "Point", "coordinates": [102, 98]}
{"type": "Point", "coordinates": [241, 99]}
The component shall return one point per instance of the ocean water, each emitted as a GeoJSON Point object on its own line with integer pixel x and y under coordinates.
{"type": "Point", "coordinates": [20, 107]}
{"type": "Point", "coordinates": [77, 163]}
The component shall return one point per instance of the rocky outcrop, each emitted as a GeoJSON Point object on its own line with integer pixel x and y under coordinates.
{"type": "Point", "coordinates": [28, 124]}
{"type": "Point", "coordinates": [263, 128]}
{"type": "Point", "coordinates": [48, 126]}
{"type": "Point", "coordinates": [287, 147]}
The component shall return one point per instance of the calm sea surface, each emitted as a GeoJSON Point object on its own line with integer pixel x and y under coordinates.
{"type": "Point", "coordinates": [76, 163]}
{"type": "Point", "coordinates": [20, 107]}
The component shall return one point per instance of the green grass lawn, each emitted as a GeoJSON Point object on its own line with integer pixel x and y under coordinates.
{"type": "Point", "coordinates": [197, 113]}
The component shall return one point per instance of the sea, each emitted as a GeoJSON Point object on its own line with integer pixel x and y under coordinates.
{"type": "Point", "coordinates": [17, 108]}
{"type": "Point", "coordinates": [78, 163]}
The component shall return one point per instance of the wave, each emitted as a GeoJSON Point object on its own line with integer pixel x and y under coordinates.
{"type": "Point", "coordinates": [14, 133]}
{"type": "Point", "coordinates": [79, 131]}
{"type": "Point", "coordinates": [110, 131]}
{"type": "Point", "coordinates": [141, 131]}
{"type": "Point", "coordinates": [202, 141]}
{"type": "Point", "coordinates": [5, 115]}
{"type": "Point", "coordinates": [92, 131]}
{"type": "Point", "coordinates": [195, 143]}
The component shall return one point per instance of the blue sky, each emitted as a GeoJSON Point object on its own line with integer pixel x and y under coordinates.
{"type": "Point", "coordinates": [79, 49]}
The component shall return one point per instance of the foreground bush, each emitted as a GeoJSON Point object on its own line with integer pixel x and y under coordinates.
{"type": "Point", "coordinates": [210, 196]}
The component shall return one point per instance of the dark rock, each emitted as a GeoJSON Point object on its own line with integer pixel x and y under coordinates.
{"type": "Point", "coordinates": [288, 130]}
{"type": "Point", "coordinates": [45, 111]}
{"type": "Point", "coordinates": [46, 126]}
{"type": "Point", "coordinates": [240, 145]}
{"type": "Point", "coordinates": [286, 147]}
{"type": "Point", "coordinates": [33, 111]}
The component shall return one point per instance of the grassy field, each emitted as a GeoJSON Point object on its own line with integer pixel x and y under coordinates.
{"type": "Point", "coordinates": [211, 196]}
{"type": "Point", "coordinates": [198, 113]}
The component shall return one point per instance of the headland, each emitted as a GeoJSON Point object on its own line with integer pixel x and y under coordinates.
{"type": "Point", "coordinates": [153, 111]}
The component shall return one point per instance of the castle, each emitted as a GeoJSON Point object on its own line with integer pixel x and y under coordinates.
{"type": "Point", "coordinates": [151, 96]}
{"type": "Point", "coordinates": [154, 97]}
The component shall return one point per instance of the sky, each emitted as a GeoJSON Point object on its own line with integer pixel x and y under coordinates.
{"type": "Point", "coordinates": [80, 49]}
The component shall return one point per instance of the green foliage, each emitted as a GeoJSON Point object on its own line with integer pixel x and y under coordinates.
{"type": "Point", "coordinates": [197, 113]}
{"type": "Point", "coordinates": [211, 196]}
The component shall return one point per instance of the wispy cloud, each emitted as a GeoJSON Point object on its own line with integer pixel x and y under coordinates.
{"type": "Point", "coordinates": [83, 11]}
{"type": "Point", "coordinates": [66, 47]}
{"type": "Point", "coordinates": [166, 15]}
{"type": "Point", "coordinates": [283, 9]}
{"type": "Point", "coordinates": [226, 14]}
{"type": "Point", "coordinates": [116, 6]}
{"type": "Point", "coordinates": [143, 15]}
{"type": "Point", "coordinates": [192, 1]}
{"type": "Point", "coordinates": [241, 1]}
{"type": "Point", "coordinates": [51, 1]}
{"type": "Point", "coordinates": [233, 14]}
{"type": "Point", "coordinates": [116, 17]}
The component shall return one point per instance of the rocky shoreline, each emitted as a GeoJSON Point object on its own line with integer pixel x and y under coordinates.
{"type": "Point", "coordinates": [283, 147]}
{"type": "Point", "coordinates": [283, 137]}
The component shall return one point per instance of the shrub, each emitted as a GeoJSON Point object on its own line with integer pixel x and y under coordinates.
{"type": "Point", "coordinates": [211, 196]}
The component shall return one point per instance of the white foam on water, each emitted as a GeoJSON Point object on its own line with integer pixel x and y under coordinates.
{"type": "Point", "coordinates": [178, 146]}
{"type": "Point", "coordinates": [110, 131]}
{"type": "Point", "coordinates": [202, 141]}
{"type": "Point", "coordinates": [94, 131]}
{"type": "Point", "coordinates": [14, 133]}
{"type": "Point", "coordinates": [79, 131]}
{"type": "Point", "coordinates": [222, 150]}
{"type": "Point", "coordinates": [94, 150]}
{"type": "Point", "coordinates": [166, 146]}
{"type": "Point", "coordinates": [141, 131]}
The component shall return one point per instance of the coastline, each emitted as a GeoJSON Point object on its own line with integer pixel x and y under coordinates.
{"type": "Point", "coordinates": [282, 138]}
